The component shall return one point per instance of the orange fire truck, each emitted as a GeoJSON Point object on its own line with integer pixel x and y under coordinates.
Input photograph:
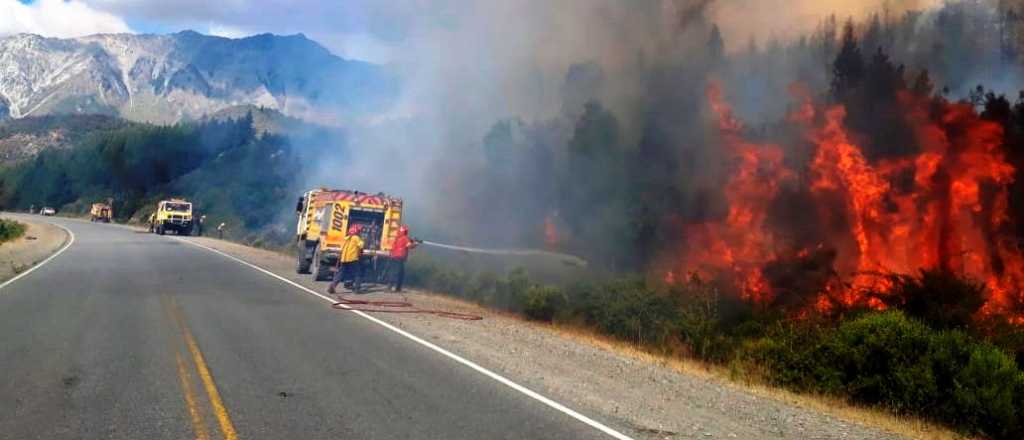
{"type": "Point", "coordinates": [324, 216]}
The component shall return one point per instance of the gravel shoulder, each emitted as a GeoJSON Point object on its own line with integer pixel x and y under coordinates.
{"type": "Point", "coordinates": [41, 240]}
{"type": "Point", "coordinates": [643, 397]}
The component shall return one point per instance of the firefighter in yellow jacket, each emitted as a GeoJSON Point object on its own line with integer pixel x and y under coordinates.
{"type": "Point", "coordinates": [349, 264]}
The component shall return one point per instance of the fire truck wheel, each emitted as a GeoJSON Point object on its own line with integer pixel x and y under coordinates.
{"type": "Point", "coordinates": [320, 271]}
{"type": "Point", "coordinates": [302, 263]}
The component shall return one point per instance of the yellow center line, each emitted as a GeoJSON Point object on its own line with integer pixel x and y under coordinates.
{"type": "Point", "coordinates": [198, 426]}
{"type": "Point", "coordinates": [219, 410]}
{"type": "Point", "coordinates": [187, 387]}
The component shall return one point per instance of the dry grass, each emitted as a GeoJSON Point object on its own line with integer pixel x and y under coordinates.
{"type": "Point", "coordinates": [909, 427]}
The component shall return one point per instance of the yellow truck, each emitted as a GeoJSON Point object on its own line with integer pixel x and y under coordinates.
{"type": "Point", "coordinates": [101, 212]}
{"type": "Point", "coordinates": [172, 215]}
{"type": "Point", "coordinates": [325, 215]}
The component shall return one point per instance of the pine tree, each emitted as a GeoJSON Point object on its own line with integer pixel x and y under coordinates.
{"type": "Point", "coordinates": [716, 45]}
{"type": "Point", "coordinates": [923, 85]}
{"type": "Point", "coordinates": [848, 68]}
{"type": "Point", "coordinates": [883, 79]}
{"type": "Point", "coordinates": [828, 37]}
{"type": "Point", "coordinates": [1009, 34]}
{"type": "Point", "coordinates": [873, 38]}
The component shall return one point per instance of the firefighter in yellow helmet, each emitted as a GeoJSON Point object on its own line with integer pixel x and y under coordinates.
{"type": "Point", "coordinates": [349, 265]}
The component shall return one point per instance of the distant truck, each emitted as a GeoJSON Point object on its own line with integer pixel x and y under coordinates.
{"type": "Point", "coordinates": [325, 215]}
{"type": "Point", "coordinates": [101, 212]}
{"type": "Point", "coordinates": [48, 211]}
{"type": "Point", "coordinates": [172, 215]}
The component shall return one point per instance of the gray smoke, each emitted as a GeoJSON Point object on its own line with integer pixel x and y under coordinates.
{"type": "Point", "coordinates": [494, 97]}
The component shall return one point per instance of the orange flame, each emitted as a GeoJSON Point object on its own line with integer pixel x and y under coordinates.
{"type": "Point", "coordinates": [742, 242]}
{"type": "Point", "coordinates": [550, 232]}
{"type": "Point", "coordinates": [948, 216]}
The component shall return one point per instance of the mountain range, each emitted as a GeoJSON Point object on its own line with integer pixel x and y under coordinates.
{"type": "Point", "coordinates": [184, 76]}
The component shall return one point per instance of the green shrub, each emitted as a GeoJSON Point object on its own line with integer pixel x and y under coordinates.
{"type": "Point", "coordinates": [544, 302]}
{"type": "Point", "coordinates": [984, 392]}
{"type": "Point", "coordinates": [939, 298]}
{"type": "Point", "coordinates": [949, 352]}
{"type": "Point", "coordinates": [418, 273]}
{"type": "Point", "coordinates": [879, 360]}
{"type": "Point", "coordinates": [511, 291]}
{"type": "Point", "coordinates": [979, 385]}
{"type": "Point", "coordinates": [484, 288]}
{"type": "Point", "coordinates": [885, 359]}
{"type": "Point", "coordinates": [630, 310]}
{"type": "Point", "coordinates": [789, 354]}
{"type": "Point", "coordinates": [449, 281]}
{"type": "Point", "coordinates": [890, 360]}
{"type": "Point", "coordinates": [700, 321]}
{"type": "Point", "coordinates": [1008, 336]}
{"type": "Point", "coordinates": [505, 293]}
{"type": "Point", "coordinates": [10, 230]}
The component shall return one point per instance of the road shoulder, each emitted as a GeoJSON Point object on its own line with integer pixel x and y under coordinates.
{"type": "Point", "coordinates": [40, 241]}
{"type": "Point", "coordinates": [647, 398]}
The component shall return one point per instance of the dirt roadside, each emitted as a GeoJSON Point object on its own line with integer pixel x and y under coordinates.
{"type": "Point", "coordinates": [41, 240]}
{"type": "Point", "coordinates": [650, 399]}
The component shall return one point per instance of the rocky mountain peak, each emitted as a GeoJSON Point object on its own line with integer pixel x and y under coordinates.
{"type": "Point", "coordinates": [185, 75]}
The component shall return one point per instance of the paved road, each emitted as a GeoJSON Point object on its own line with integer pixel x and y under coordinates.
{"type": "Point", "coordinates": [129, 335]}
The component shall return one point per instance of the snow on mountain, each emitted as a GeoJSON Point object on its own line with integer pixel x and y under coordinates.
{"type": "Point", "coordinates": [167, 78]}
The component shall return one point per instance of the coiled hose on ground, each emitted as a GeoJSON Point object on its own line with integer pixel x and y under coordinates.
{"type": "Point", "coordinates": [394, 306]}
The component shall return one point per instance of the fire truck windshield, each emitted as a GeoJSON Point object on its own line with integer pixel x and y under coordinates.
{"type": "Point", "coordinates": [178, 207]}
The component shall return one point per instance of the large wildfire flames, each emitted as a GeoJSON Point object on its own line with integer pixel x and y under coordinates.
{"type": "Point", "coordinates": [945, 207]}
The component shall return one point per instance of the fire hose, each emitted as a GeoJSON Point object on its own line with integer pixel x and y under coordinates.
{"type": "Point", "coordinates": [566, 258]}
{"type": "Point", "coordinates": [403, 306]}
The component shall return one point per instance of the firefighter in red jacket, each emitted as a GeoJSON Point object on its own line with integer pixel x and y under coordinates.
{"type": "Point", "coordinates": [399, 253]}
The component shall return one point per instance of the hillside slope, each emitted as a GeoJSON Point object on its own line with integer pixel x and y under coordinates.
{"type": "Point", "coordinates": [22, 139]}
{"type": "Point", "coordinates": [169, 78]}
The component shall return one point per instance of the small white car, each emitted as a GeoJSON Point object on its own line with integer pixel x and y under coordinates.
{"type": "Point", "coordinates": [48, 211]}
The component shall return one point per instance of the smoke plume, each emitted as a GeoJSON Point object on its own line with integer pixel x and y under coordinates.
{"type": "Point", "coordinates": [582, 126]}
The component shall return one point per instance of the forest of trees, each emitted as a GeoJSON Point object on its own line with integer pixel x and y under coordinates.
{"type": "Point", "coordinates": [618, 185]}
{"type": "Point", "coordinates": [224, 167]}
{"type": "Point", "coordinates": [624, 200]}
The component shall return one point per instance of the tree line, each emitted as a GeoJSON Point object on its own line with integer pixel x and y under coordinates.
{"type": "Point", "coordinates": [137, 164]}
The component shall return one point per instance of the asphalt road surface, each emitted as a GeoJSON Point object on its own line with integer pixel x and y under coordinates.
{"type": "Point", "coordinates": [128, 335]}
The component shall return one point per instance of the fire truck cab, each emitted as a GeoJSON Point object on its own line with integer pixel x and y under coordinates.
{"type": "Point", "coordinates": [324, 217]}
{"type": "Point", "coordinates": [101, 212]}
{"type": "Point", "coordinates": [172, 215]}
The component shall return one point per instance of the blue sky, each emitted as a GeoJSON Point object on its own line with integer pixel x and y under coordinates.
{"type": "Point", "coordinates": [382, 30]}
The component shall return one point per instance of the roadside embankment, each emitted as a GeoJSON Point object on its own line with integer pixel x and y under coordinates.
{"type": "Point", "coordinates": [39, 241]}
{"type": "Point", "coordinates": [647, 396]}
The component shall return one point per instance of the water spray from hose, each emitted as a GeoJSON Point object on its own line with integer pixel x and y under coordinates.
{"type": "Point", "coordinates": [566, 258]}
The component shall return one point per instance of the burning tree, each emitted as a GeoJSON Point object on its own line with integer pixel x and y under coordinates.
{"type": "Point", "coordinates": [943, 207]}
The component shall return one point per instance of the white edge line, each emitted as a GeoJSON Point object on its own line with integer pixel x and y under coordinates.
{"type": "Point", "coordinates": [71, 240]}
{"type": "Point", "coordinates": [508, 382]}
